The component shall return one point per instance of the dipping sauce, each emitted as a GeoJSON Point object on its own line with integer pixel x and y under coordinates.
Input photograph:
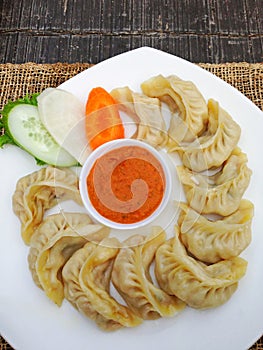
{"type": "Point", "coordinates": [126, 185]}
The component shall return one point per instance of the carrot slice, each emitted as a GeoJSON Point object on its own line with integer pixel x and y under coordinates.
{"type": "Point", "coordinates": [103, 122]}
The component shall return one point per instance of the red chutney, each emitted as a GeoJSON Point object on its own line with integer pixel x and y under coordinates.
{"type": "Point", "coordinates": [126, 185]}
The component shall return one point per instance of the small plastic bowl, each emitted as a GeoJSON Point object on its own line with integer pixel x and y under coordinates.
{"type": "Point", "coordinates": [100, 151]}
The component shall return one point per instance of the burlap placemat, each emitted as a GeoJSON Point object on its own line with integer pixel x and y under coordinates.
{"type": "Point", "coordinates": [17, 80]}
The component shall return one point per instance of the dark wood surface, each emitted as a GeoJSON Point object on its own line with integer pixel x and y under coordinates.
{"type": "Point", "coordinates": [48, 31]}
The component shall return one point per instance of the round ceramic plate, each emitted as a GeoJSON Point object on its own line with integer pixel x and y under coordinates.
{"type": "Point", "coordinates": [29, 321]}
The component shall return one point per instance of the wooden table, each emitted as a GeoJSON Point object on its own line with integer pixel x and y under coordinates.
{"type": "Point", "coordinates": [70, 31]}
{"type": "Point", "coordinates": [93, 30]}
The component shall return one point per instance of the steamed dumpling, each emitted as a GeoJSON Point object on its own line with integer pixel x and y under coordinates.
{"type": "Point", "coordinates": [87, 285]}
{"type": "Point", "coordinates": [215, 146]}
{"type": "Point", "coordinates": [198, 285]}
{"type": "Point", "coordinates": [132, 280]}
{"type": "Point", "coordinates": [74, 292]}
{"type": "Point", "coordinates": [220, 193]}
{"type": "Point", "coordinates": [183, 98]}
{"type": "Point", "coordinates": [212, 241]}
{"type": "Point", "coordinates": [53, 243]}
{"type": "Point", "coordinates": [146, 112]}
{"type": "Point", "coordinates": [42, 190]}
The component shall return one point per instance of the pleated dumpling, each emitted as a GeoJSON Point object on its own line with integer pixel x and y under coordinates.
{"type": "Point", "coordinates": [146, 112]}
{"type": "Point", "coordinates": [212, 241]}
{"type": "Point", "coordinates": [42, 190]}
{"type": "Point", "coordinates": [53, 243]}
{"type": "Point", "coordinates": [132, 279]}
{"type": "Point", "coordinates": [220, 193]}
{"type": "Point", "coordinates": [87, 277]}
{"type": "Point", "coordinates": [198, 285]}
{"type": "Point", "coordinates": [183, 99]}
{"type": "Point", "coordinates": [215, 145]}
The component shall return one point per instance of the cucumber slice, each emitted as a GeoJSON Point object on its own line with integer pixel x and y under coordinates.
{"type": "Point", "coordinates": [29, 133]}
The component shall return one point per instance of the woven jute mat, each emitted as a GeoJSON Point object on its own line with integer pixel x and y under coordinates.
{"type": "Point", "coordinates": [18, 80]}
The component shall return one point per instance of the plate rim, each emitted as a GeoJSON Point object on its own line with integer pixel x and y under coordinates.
{"type": "Point", "coordinates": [147, 49]}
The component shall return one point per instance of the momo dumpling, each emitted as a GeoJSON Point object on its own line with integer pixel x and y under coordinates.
{"type": "Point", "coordinates": [75, 293]}
{"type": "Point", "coordinates": [188, 107]}
{"type": "Point", "coordinates": [198, 285]}
{"type": "Point", "coordinates": [214, 146]}
{"type": "Point", "coordinates": [220, 193]}
{"type": "Point", "coordinates": [87, 277]}
{"type": "Point", "coordinates": [146, 112]}
{"type": "Point", "coordinates": [53, 243]}
{"type": "Point", "coordinates": [42, 190]}
{"type": "Point", "coordinates": [132, 280]}
{"type": "Point", "coordinates": [212, 241]}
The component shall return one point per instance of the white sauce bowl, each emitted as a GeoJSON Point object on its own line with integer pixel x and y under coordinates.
{"type": "Point", "coordinates": [100, 151]}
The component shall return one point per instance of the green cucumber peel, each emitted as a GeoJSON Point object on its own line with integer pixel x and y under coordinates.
{"type": "Point", "coordinates": [7, 137]}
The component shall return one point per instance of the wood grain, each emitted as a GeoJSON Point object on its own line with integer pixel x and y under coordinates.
{"type": "Point", "coordinates": [91, 31]}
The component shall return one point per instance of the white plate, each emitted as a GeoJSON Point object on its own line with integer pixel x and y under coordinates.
{"type": "Point", "coordinates": [29, 321]}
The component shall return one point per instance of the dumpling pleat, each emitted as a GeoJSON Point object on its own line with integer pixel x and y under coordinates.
{"type": "Point", "coordinates": [220, 193]}
{"type": "Point", "coordinates": [53, 243]}
{"type": "Point", "coordinates": [42, 190]}
{"type": "Point", "coordinates": [93, 288]}
{"type": "Point", "coordinates": [198, 285]}
{"type": "Point", "coordinates": [215, 146]}
{"type": "Point", "coordinates": [146, 112]}
{"type": "Point", "coordinates": [188, 107]}
{"type": "Point", "coordinates": [132, 279]}
{"type": "Point", "coordinates": [75, 294]}
{"type": "Point", "coordinates": [212, 241]}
